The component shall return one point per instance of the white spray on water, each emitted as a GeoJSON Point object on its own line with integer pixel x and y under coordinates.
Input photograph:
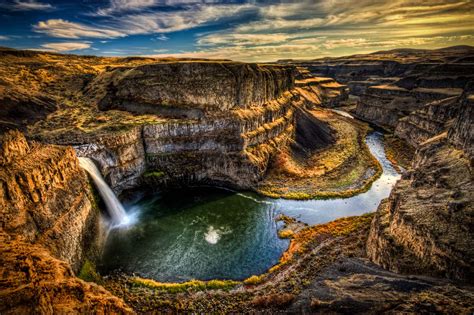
{"type": "Point", "coordinates": [115, 208]}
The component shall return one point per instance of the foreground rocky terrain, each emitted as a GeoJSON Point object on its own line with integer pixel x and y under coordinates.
{"type": "Point", "coordinates": [248, 126]}
{"type": "Point", "coordinates": [50, 225]}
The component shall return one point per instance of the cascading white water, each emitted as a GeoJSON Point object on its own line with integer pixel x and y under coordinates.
{"type": "Point", "coordinates": [115, 208]}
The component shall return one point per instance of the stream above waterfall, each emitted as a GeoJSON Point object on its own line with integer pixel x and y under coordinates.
{"type": "Point", "coordinates": [210, 233]}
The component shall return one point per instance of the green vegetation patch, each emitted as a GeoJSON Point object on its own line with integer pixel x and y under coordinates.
{"type": "Point", "coordinates": [89, 273]}
{"type": "Point", "coordinates": [254, 280]}
{"type": "Point", "coordinates": [154, 174]}
{"type": "Point", "coordinates": [192, 285]}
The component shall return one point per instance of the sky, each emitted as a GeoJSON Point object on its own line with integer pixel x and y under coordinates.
{"type": "Point", "coordinates": [240, 30]}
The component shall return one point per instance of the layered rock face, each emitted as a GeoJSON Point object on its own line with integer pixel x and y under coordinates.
{"type": "Point", "coordinates": [386, 104]}
{"type": "Point", "coordinates": [228, 119]}
{"type": "Point", "coordinates": [461, 134]}
{"type": "Point", "coordinates": [437, 117]}
{"type": "Point", "coordinates": [119, 155]}
{"type": "Point", "coordinates": [425, 226]}
{"type": "Point", "coordinates": [49, 225]}
{"type": "Point", "coordinates": [190, 89]}
{"type": "Point", "coordinates": [326, 92]}
{"type": "Point", "coordinates": [428, 121]}
{"type": "Point", "coordinates": [390, 85]}
{"type": "Point", "coordinates": [439, 68]}
{"type": "Point", "coordinates": [233, 150]}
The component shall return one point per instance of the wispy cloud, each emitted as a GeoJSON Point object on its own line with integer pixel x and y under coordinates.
{"type": "Point", "coordinates": [28, 5]}
{"type": "Point", "coordinates": [310, 29]}
{"type": "Point", "coordinates": [66, 46]}
{"type": "Point", "coordinates": [65, 29]}
{"type": "Point", "coordinates": [125, 5]}
{"type": "Point", "coordinates": [141, 23]}
{"type": "Point", "coordinates": [161, 37]}
{"type": "Point", "coordinates": [3, 37]}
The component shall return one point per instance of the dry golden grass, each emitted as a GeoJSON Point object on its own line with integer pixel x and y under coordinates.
{"type": "Point", "coordinates": [62, 78]}
{"type": "Point", "coordinates": [192, 285]}
{"type": "Point", "coordinates": [341, 227]}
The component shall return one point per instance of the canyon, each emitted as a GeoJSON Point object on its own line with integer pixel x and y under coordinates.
{"type": "Point", "coordinates": [158, 125]}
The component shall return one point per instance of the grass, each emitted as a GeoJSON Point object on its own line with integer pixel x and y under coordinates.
{"type": "Point", "coordinates": [88, 273]}
{"type": "Point", "coordinates": [192, 285]}
{"type": "Point", "coordinates": [364, 186]}
{"type": "Point", "coordinates": [278, 300]}
{"type": "Point", "coordinates": [287, 233]}
{"type": "Point", "coordinates": [254, 280]}
{"type": "Point", "coordinates": [154, 174]}
{"type": "Point", "coordinates": [341, 227]}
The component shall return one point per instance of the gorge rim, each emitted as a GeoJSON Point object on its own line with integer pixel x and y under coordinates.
{"type": "Point", "coordinates": [236, 157]}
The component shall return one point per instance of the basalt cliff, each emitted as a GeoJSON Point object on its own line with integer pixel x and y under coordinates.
{"type": "Point", "coordinates": [50, 225]}
{"type": "Point", "coordinates": [156, 124]}
{"type": "Point", "coordinates": [425, 97]}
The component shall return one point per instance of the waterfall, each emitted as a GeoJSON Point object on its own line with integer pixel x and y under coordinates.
{"type": "Point", "coordinates": [115, 208]}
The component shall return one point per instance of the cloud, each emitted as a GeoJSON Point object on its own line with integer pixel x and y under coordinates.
{"type": "Point", "coordinates": [142, 23]}
{"type": "Point", "coordinates": [250, 54]}
{"type": "Point", "coordinates": [242, 39]}
{"type": "Point", "coordinates": [3, 37]}
{"type": "Point", "coordinates": [66, 46]}
{"type": "Point", "coordinates": [121, 6]}
{"type": "Point", "coordinates": [162, 37]}
{"type": "Point", "coordinates": [125, 5]}
{"type": "Point", "coordinates": [65, 29]}
{"type": "Point", "coordinates": [28, 5]}
{"type": "Point", "coordinates": [269, 30]}
{"type": "Point", "coordinates": [335, 27]}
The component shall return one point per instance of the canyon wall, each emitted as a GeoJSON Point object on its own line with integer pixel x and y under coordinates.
{"type": "Point", "coordinates": [233, 150]}
{"type": "Point", "coordinates": [119, 155]}
{"type": "Point", "coordinates": [425, 226]}
{"type": "Point", "coordinates": [222, 127]}
{"type": "Point", "coordinates": [390, 85]}
{"type": "Point", "coordinates": [385, 105]}
{"type": "Point", "coordinates": [428, 121]}
{"type": "Point", "coordinates": [49, 224]}
{"type": "Point", "coordinates": [190, 89]}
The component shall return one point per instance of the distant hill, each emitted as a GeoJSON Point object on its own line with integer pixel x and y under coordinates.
{"type": "Point", "coordinates": [399, 54]}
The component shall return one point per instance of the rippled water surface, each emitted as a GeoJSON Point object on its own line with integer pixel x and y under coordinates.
{"type": "Point", "coordinates": [214, 233]}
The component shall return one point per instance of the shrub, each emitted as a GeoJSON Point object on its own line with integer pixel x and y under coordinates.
{"type": "Point", "coordinates": [254, 280]}
{"type": "Point", "coordinates": [285, 233]}
{"type": "Point", "coordinates": [88, 273]}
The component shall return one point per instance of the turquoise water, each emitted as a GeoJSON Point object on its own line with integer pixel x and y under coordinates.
{"type": "Point", "coordinates": [211, 233]}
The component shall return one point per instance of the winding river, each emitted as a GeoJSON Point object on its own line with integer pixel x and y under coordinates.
{"type": "Point", "coordinates": [210, 233]}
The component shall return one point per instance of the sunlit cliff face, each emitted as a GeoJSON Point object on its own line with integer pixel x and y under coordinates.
{"type": "Point", "coordinates": [240, 30]}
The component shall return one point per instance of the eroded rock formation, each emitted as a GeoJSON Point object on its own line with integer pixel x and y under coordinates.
{"type": "Point", "coordinates": [191, 88]}
{"type": "Point", "coordinates": [426, 225]}
{"type": "Point", "coordinates": [426, 98]}
{"type": "Point", "coordinates": [49, 225]}
{"type": "Point", "coordinates": [390, 85]}
{"type": "Point", "coordinates": [225, 121]}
